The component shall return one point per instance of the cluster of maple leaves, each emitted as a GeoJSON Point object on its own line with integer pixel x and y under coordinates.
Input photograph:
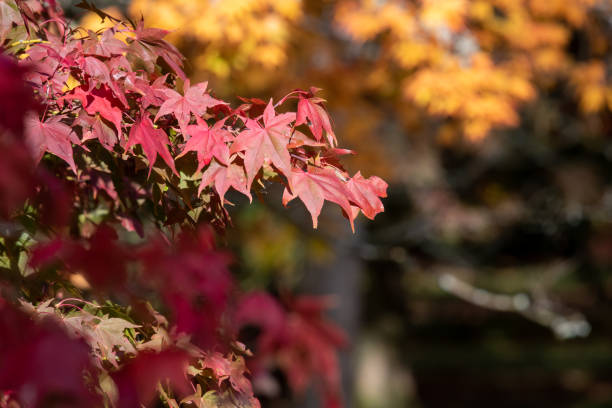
{"type": "Point", "coordinates": [196, 354]}
{"type": "Point", "coordinates": [88, 82]}
{"type": "Point", "coordinates": [85, 117]}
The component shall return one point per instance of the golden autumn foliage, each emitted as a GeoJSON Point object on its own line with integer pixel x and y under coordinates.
{"type": "Point", "coordinates": [449, 49]}
{"type": "Point", "coordinates": [230, 34]}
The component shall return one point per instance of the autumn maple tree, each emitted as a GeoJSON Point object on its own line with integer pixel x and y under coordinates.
{"type": "Point", "coordinates": [115, 172]}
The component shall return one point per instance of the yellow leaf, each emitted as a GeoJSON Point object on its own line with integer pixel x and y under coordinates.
{"type": "Point", "coordinates": [70, 84]}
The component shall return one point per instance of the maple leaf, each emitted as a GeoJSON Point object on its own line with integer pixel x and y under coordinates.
{"type": "Point", "coordinates": [51, 136]}
{"type": "Point", "coordinates": [309, 111]}
{"type": "Point", "coordinates": [299, 139]}
{"type": "Point", "coordinates": [194, 280]}
{"type": "Point", "coordinates": [8, 17]}
{"type": "Point", "coordinates": [159, 339]}
{"type": "Point", "coordinates": [311, 350]}
{"type": "Point", "coordinates": [149, 45]}
{"type": "Point", "coordinates": [53, 198]}
{"type": "Point", "coordinates": [44, 252]}
{"type": "Point", "coordinates": [197, 317]}
{"type": "Point", "coordinates": [155, 93]}
{"type": "Point", "coordinates": [195, 101]}
{"type": "Point", "coordinates": [210, 399]}
{"type": "Point", "coordinates": [261, 310]}
{"type": "Point", "coordinates": [224, 177]}
{"type": "Point", "coordinates": [332, 156]}
{"type": "Point", "coordinates": [265, 143]}
{"type": "Point", "coordinates": [191, 267]}
{"type": "Point", "coordinates": [103, 333]}
{"type": "Point", "coordinates": [43, 309]}
{"type": "Point", "coordinates": [102, 183]}
{"type": "Point", "coordinates": [137, 381]}
{"type": "Point", "coordinates": [153, 141]}
{"type": "Point", "coordinates": [100, 101]}
{"type": "Point", "coordinates": [15, 97]}
{"type": "Point", "coordinates": [220, 366]}
{"type": "Point", "coordinates": [103, 261]}
{"type": "Point", "coordinates": [99, 72]}
{"type": "Point", "coordinates": [41, 363]}
{"type": "Point", "coordinates": [315, 186]}
{"type": "Point", "coordinates": [110, 334]}
{"type": "Point", "coordinates": [95, 128]}
{"type": "Point", "coordinates": [232, 368]}
{"type": "Point", "coordinates": [237, 378]}
{"type": "Point", "coordinates": [105, 45]}
{"type": "Point", "coordinates": [365, 194]}
{"type": "Point", "coordinates": [252, 107]}
{"type": "Point", "coordinates": [312, 308]}
{"type": "Point", "coordinates": [17, 178]}
{"type": "Point", "coordinates": [208, 142]}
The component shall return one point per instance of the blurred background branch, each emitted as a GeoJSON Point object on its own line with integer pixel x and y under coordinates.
{"type": "Point", "coordinates": [566, 324]}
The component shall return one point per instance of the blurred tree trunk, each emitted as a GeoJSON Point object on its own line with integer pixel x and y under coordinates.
{"type": "Point", "coordinates": [340, 277]}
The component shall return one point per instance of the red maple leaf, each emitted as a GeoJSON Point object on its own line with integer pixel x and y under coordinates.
{"type": "Point", "coordinates": [44, 253]}
{"type": "Point", "coordinates": [95, 128]}
{"type": "Point", "coordinates": [105, 45]}
{"type": "Point", "coordinates": [195, 282]}
{"type": "Point", "coordinates": [17, 178]}
{"type": "Point", "coordinates": [155, 93]}
{"type": "Point", "coordinates": [195, 101]}
{"type": "Point", "coordinates": [311, 351]}
{"type": "Point", "coordinates": [137, 381]}
{"type": "Point", "coordinates": [100, 74]}
{"type": "Point", "coordinates": [252, 107]}
{"type": "Point", "coordinates": [263, 311]}
{"type": "Point", "coordinates": [365, 194]}
{"type": "Point", "coordinates": [40, 363]}
{"type": "Point", "coordinates": [51, 136]}
{"type": "Point", "coordinates": [15, 97]}
{"type": "Point", "coordinates": [267, 143]}
{"type": "Point", "coordinates": [311, 112]}
{"type": "Point", "coordinates": [153, 141]}
{"type": "Point", "coordinates": [299, 139]}
{"type": "Point", "coordinates": [224, 177]}
{"type": "Point", "coordinates": [149, 46]}
{"type": "Point", "coordinates": [208, 142]}
{"type": "Point", "coordinates": [103, 260]}
{"type": "Point", "coordinates": [315, 186]}
{"type": "Point", "coordinates": [100, 101]}
{"type": "Point", "coordinates": [53, 198]}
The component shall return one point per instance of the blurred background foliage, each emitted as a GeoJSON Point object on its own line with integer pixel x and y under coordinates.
{"type": "Point", "coordinates": [487, 280]}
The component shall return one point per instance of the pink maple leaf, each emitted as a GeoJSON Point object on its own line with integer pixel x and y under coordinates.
{"type": "Point", "coordinates": [195, 101]}
{"type": "Point", "coordinates": [51, 136]}
{"type": "Point", "coordinates": [153, 141]}
{"type": "Point", "coordinates": [365, 194]}
{"type": "Point", "coordinates": [267, 143]}
{"type": "Point", "coordinates": [208, 142]}
{"type": "Point", "coordinates": [315, 186]}
{"type": "Point", "coordinates": [224, 177]}
{"type": "Point", "coordinates": [311, 112]}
